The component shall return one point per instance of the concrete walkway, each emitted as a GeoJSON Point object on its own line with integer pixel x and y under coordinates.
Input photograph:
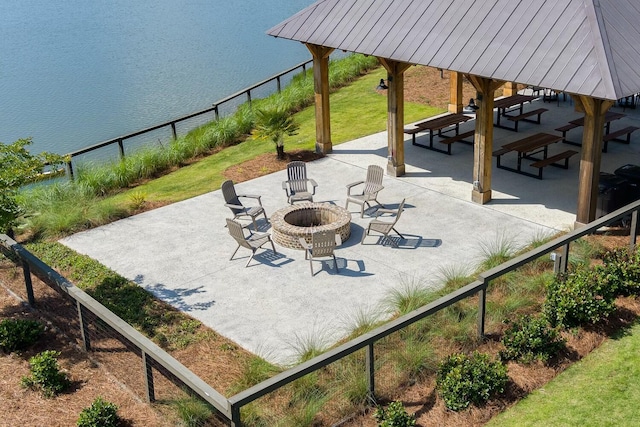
{"type": "Point", "coordinates": [274, 307]}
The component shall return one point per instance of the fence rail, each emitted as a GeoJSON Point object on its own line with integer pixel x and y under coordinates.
{"type": "Point", "coordinates": [215, 108]}
{"type": "Point", "coordinates": [230, 407]}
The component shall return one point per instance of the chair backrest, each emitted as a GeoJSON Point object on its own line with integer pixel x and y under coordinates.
{"type": "Point", "coordinates": [297, 176]}
{"type": "Point", "coordinates": [374, 179]}
{"type": "Point", "coordinates": [400, 209]}
{"type": "Point", "coordinates": [230, 196]}
{"type": "Point", "coordinates": [323, 243]}
{"type": "Point", "coordinates": [236, 231]}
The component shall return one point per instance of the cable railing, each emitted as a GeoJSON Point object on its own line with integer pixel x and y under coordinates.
{"type": "Point", "coordinates": [215, 108]}
{"type": "Point", "coordinates": [154, 359]}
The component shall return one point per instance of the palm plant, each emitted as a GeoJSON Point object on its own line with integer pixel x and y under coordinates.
{"type": "Point", "coordinates": [272, 125]}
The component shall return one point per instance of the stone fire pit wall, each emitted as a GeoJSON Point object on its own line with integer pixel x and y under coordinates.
{"type": "Point", "coordinates": [302, 220]}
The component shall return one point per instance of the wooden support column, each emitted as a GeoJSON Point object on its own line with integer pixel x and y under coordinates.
{"type": "Point", "coordinates": [321, 88]}
{"type": "Point", "coordinates": [455, 92]}
{"type": "Point", "coordinates": [483, 138]}
{"type": "Point", "coordinates": [510, 89]}
{"type": "Point", "coordinates": [594, 111]}
{"type": "Point", "coordinates": [395, 116]}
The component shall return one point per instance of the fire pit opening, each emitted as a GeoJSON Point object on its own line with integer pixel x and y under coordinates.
{"type": "Point", "coordinates": [296, 221]}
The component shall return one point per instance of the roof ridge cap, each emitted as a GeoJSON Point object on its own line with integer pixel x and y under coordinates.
{"type": "Point", "coordinates": [600, 40]}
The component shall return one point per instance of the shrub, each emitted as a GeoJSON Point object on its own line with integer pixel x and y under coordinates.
{"type": "Point", "coordinates": [622, 270]}
{"type": "Point", "coordinates": [462, 380]}
{"type": "Point", "coordinates": [18, 334]}
{"type": "Point", "coordinates": [394, 416]}
{"type": "Point", "coordinates": [530, 338]}
{"type": "Point", "coordinates": [100, 414]}
{"type": "Point", "coordinates": [578, 298]}
{"type": "Point", "coordinates": [46, 375]}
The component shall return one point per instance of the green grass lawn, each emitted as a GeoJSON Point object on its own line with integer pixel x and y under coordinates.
{"type": "Point", "coordinates": [603, 389]}
{"type": "Point", "coordinates": [349, 120]}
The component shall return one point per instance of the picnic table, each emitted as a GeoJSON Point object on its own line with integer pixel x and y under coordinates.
{"type": "Point", "coordinates": [508, 104]}
{"type": "Point", "coordinates": [529, 146]}
{"type": "Point", "coordinates": [438, 124]}
{"type": "Point", "coordinates": [609, 117]}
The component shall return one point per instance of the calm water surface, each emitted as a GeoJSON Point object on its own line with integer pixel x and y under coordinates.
{"type": "Point", "coordinates": [74, 72]}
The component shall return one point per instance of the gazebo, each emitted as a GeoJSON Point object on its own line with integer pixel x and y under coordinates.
{"type": "Point", "coordinates": [589, 49]}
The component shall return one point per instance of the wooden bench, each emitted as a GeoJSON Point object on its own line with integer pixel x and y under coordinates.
{"type": "Point", "coordinates": [551, 161]}
{"type": "Point", "coordinates": [525, 117]}
{"type": "Point", "coordinates": [613, 136]}
{"type": "Point", "coordinates": [458, 138]}
{"type": "Point", "coordinates": [566, 128]}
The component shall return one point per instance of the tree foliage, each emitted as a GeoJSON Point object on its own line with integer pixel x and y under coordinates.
{"type": "Point", "coordinates": [17, 168]}
{"type": "Point", "coordinates": [272, 125]}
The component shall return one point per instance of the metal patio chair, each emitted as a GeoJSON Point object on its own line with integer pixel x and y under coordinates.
{"type": "Point", "coordinates": [323, 243]}
{"type": "Point", "coordinates": [232, 201]}
{"type": "Point", "coordinates": [385, 227]}
{"type": "Point", "coordinates": [252, 242]}
{"type": "Point", "coordinates": [370, 190]}
{"type": "Point", "coordinates": [297, 184]}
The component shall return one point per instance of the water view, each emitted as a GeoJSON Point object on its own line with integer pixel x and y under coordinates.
{"type": "Point", "coordinates": [76, 73]}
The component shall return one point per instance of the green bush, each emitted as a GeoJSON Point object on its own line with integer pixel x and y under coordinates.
{"type": "Point", "coordinates": [46, 375]}
{"type": "Point", "coordinates": [18, 334]}
{"type": "Point", "coordinates": [394, 416]}
{"type": "Point", "coordinates": [529, 339]}
{"type": "Point", "coordinates": [462, 380]}
{"type": "Point", "coordinates": [622, 270]}
{"type": "Point", "coordinates": [579, 298]}
{"type": "Point", "coordinates": [100, 414]}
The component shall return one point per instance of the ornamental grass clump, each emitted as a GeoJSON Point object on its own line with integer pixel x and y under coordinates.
{"type": "Point", "coordinates": [530, 338]}
{"type": "Point", "coordinates": [463, 380]}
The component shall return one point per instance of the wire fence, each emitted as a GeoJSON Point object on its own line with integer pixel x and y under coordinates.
{"type": "Point", "coordinates": [324, 389]}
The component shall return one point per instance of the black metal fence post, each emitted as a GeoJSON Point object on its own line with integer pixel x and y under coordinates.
{"type": "Point", "coordinates": [634, 230]}
{"type": "Point", "coordinates": [371, 372]}
{"type": "Point", "coordinates": [482, 307]}
{"type": "Point", "coordinates": [27, 282]}
{"type": "Point", "coordinates": [84, 331]}
{"type": "Point", "coordinates": [121, 149]}
{"type": "Point", "coordinates": [147, 371]}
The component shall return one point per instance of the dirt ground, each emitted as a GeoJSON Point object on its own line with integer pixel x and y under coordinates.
{"type": "Point", "coordinates": [24, 407]}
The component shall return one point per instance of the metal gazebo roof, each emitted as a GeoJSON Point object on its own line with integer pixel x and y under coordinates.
{"type": "Point", "coordinates": [585, 47]}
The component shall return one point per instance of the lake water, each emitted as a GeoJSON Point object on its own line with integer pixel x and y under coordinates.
{"type": "Point", "coordinates": [74, 73]}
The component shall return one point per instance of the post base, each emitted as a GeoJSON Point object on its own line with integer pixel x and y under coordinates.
{"type": "Point", "coordinates": [480, 197]}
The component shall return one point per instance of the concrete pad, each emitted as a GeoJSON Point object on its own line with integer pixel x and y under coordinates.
{"type": "Point", "coordinates": [181, 252]}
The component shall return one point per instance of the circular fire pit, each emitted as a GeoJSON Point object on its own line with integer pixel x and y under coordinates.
{"type": "Point", "coordinates": [293, 222]}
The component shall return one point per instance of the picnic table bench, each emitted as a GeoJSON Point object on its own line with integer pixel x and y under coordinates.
{"type": "Point", "coordinates": [609, 117]}
{"type": "Point", "coordinates": [614, 136]}
{"type": "Point", "coordinates": [438, 124]}
{"type": "Point", "coordinates": [512, 103]}
{"type": "Point", "coordinates": [529, 146]}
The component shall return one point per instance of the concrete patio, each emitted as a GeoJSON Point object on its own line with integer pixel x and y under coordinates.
{"type": "Point", "coordinates": [181, 252]}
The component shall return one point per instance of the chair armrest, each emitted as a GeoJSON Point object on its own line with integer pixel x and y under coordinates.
{"type": "Point", "coordinates": [304, 243]}
{"type": "Point", "coordinates": [229, 205]}
{"type": "Point", "coordinates": [382, 211]}
{"type": "Point", "coordinates": [285, 187]}
{"type": "Point", "coordinates": [252, 196]}
{"type": "Point", "coordinates": [314, 184]}
{"type": "Point", "coordinates": [353, 184]}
